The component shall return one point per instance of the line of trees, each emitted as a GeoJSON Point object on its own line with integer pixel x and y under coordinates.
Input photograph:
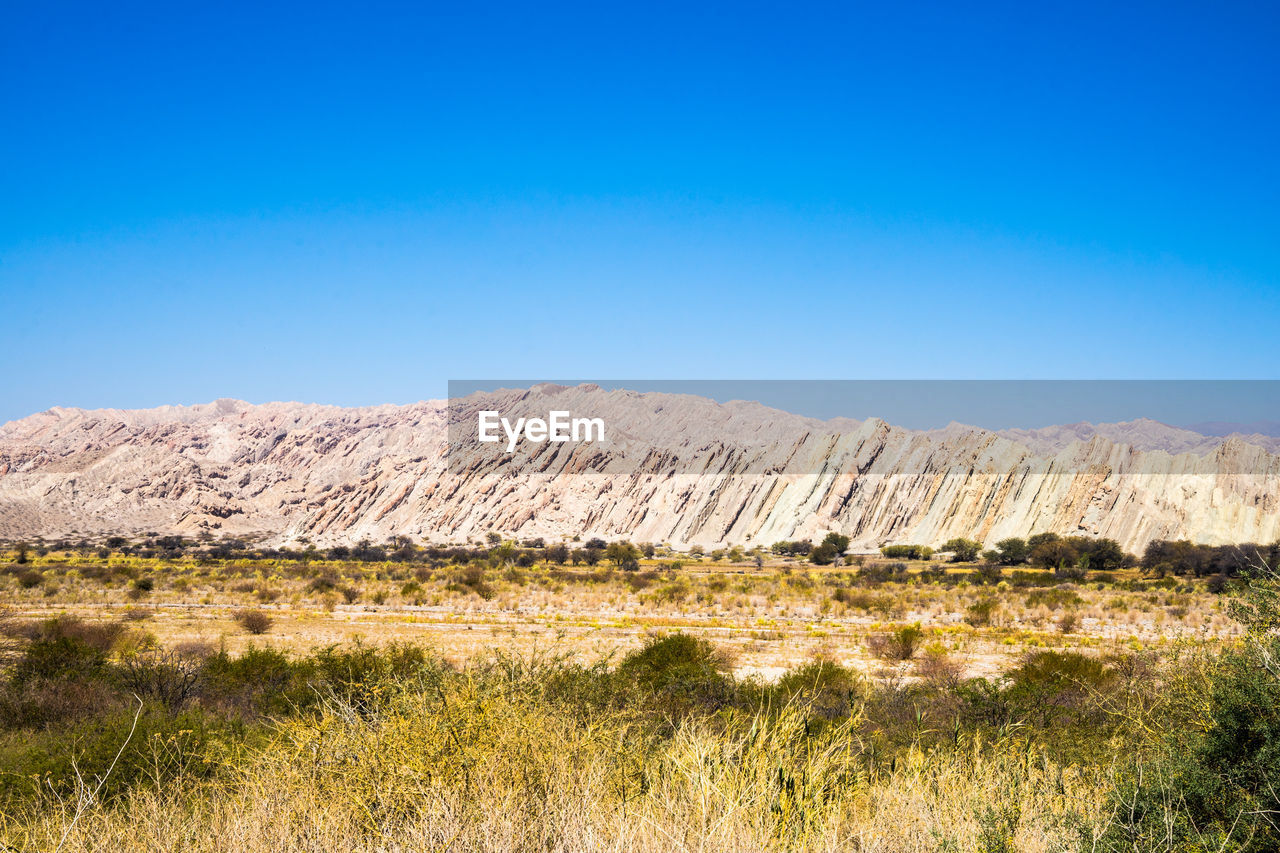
{"type": "Point", "coordinates": [1063, 554]}
{"type": "Point", "coordinates": [799, 548]}
{"type": "Point", "coordinates": [1067, 556]}
{"type": "Point", "coordinates": [400, 549]}
{"type": "Point", "coordinates": [1074, 555]}
{"type": "Point", "coordinates": [907, 552]}
{"type": "Point", "coordinates": [1165, 557]}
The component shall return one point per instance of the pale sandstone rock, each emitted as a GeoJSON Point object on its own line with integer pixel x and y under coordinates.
{"type": "Point", "coordinates": [330, 474]}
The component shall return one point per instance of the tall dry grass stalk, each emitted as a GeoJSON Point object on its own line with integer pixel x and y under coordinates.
{"type": "Point", "coordinates": [462, 766]}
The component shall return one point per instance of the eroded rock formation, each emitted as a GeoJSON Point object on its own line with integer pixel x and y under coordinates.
{"type": "Point", "coordinates": [678, 469]}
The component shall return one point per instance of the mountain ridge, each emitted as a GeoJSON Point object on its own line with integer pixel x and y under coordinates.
{"type": "Point", "coordinates": [289, 471]}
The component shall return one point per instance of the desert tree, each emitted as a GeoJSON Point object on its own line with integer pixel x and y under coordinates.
{"type": "Point", "coordinates": [961, 550]}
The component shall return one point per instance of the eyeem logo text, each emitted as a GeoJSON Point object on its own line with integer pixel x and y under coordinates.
{"type": "Point", "coordinates": [557, 427]}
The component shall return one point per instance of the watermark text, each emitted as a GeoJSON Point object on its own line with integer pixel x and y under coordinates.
{"type": "Point", "coordinates": [559, 426]}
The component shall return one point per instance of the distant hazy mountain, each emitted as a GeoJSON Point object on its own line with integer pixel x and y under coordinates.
{"type": "Point", "coordinates": [1224, 428]}
{"type": "Point", "coordinates": [329, 474]}
{"type": "Point", "coordinates": [1142, 434]}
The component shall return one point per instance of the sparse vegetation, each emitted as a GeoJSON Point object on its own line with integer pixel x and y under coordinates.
{"type": "Point", "coordinates": [896, 702]}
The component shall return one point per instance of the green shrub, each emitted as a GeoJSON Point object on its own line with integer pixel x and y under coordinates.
{"type": "Point", "coordinates": [1213, 790]}
{"type": "Point", "coordinates": [831, 690]}
{"type": "Point", "coordinates": [59, 658]}
{"type": "Point", "coordinates": [362, 676]}
{"type": "Point", "coordinates": [680, 669]}
{"type": "Point", "coordinates": [1216, 786]}
{"type": "Point", "coordinates": [161, 749]}
{"type": "Point", "coordinates": [257, 681]}
{"type": "Point", "coordinates": [1050, 684]}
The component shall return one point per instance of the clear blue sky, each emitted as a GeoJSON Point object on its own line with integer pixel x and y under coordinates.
{"type": "Point", "coordinates": [354, 203]}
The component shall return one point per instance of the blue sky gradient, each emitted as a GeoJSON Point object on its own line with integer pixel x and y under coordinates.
{"type": "Point", "coordinates": [354, 203]}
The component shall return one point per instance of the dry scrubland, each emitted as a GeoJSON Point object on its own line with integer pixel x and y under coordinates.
{"type": "Point", "coordinates": [264, 704]}
{"type": "Point", "coordinates": [770, 618]}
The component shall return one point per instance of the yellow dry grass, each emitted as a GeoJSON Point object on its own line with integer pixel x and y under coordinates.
{"type": "Point", "coordinates": [470, 770]}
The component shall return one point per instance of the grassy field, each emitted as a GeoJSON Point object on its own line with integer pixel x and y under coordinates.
{"type": "Point", "coordinates": [201, 703]}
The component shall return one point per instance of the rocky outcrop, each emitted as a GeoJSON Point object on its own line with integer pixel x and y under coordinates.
{"type": "Point", "coordinates": [678, 469]}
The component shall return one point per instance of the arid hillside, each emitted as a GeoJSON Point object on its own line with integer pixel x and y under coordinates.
{"type": "Point", "coordinates": [677, 469]}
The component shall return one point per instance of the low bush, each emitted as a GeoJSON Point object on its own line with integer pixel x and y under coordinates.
{"type": "Point", "coordinates": [471, 578]}
{"type": "Point", "coordinates": [982, 612]}
{"type": "Point", "coordinates": [679, 670]}
{"type": "Point", "coordinates": [254, 621]}
{"type": "Point", "coordinates": [938, 670]}
{"type": "Point", "coordinates": [898, 645]}
{"type": "Point", "coordinates": [322, 584]}
{"type": "Point", "coordinates": [859, 599]}
{"type": "Point", "coordinates": [158, 751]}
{"type": "Point", "coordinates": [830, 690]}
{"type": "Point", "coordinates": [169, 677]}
{"type": "Point", "coordinates": [1048, 685]}
{"type": "Point", "coordinates": [59, 658]}
{"type": "Point", "coordinates": [1054, 599]}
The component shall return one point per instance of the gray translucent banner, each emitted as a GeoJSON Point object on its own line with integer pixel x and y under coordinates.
{"type": "Point", "coordinates": [1004, 431]}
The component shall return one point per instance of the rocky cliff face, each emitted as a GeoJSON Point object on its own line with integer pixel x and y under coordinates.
{"type": "Point", "coordinates": [677, 469]}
